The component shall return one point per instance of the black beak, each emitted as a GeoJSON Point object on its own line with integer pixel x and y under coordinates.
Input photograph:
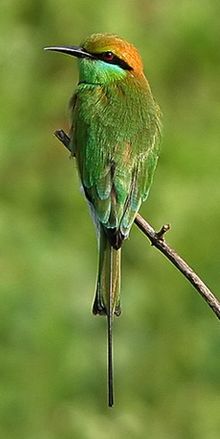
{"type": "Point", "coordinates": [77, 51]}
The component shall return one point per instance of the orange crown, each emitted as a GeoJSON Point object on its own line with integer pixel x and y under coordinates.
{"type": "Point", "coordinates": [98, 43]}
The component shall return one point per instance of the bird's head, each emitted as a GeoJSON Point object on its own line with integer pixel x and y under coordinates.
{"type": "Point", "coordinates": [104, 58]}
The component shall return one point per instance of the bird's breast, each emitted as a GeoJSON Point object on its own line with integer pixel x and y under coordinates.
{"type": "Point", "coordinates": [113, 108]}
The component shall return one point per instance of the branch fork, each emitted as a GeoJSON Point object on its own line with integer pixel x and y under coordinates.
{"type": "Point", "coordinates": [160, 235]}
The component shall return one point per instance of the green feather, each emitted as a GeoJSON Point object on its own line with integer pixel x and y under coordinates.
{"type": "Point", "coordinates": [115, 138]}
{"type": "Point", "coordinates": [116, 133]}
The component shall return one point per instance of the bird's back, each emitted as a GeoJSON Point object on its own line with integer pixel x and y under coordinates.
{"type": "Point", "coordinates": [115, 140]}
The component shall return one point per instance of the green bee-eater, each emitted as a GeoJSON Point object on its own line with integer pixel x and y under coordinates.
{"type": "Point", "coordinates": [115, 139]}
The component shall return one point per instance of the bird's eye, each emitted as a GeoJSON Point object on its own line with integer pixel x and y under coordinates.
{"type": "Point", "coordinates": [108, 56]}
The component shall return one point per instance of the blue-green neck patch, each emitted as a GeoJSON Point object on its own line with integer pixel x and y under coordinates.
{"type": "Point", "coordinates": [99, 72]}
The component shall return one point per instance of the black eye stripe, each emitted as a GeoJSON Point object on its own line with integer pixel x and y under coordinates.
{"type": "Point", "coordinates": [113, 59]}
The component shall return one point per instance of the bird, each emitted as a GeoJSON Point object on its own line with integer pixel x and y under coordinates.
{"type": "Point", "coordinates": [115, 138]}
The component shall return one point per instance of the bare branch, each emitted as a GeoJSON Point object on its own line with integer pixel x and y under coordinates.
{"type": "Point", "coordinates": [157, 240]}
{"type": "Point", "coordinates": [63, 138]}
{"type": "Point", "coordinates": [179, 263]}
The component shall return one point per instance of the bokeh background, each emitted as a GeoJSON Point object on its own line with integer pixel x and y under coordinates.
{"type": "Point", "coordinates": [52, 350]}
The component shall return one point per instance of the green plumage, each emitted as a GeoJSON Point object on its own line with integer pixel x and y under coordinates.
{"type": "Point", "coordinates": [115, 142]}
{"type": "Point", "coordinates": [115, 139]}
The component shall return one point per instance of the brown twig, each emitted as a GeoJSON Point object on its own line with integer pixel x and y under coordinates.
{"type": "Point", "coordinates": [182, 266]}
{"type": "Point", "coordinates": [63, 138]}
{"type": "Point", "coordinates": [157, 240]}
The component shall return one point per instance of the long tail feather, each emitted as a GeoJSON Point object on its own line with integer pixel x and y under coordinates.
{"type": "Point", "coordinates": [110, 334]}
{"type": "Point", "coordinates": [110, 363]}
{"type": "Point", "coordinates": [107, 298]}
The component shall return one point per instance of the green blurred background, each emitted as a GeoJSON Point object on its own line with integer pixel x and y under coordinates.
{"type": "Point", "coordinates": [52, 350]}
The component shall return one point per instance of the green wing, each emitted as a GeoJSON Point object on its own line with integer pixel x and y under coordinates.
{"type": "Point", "coordinates": [116, 150]}
{"type": "Point", "coordinates": [142, 177]}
